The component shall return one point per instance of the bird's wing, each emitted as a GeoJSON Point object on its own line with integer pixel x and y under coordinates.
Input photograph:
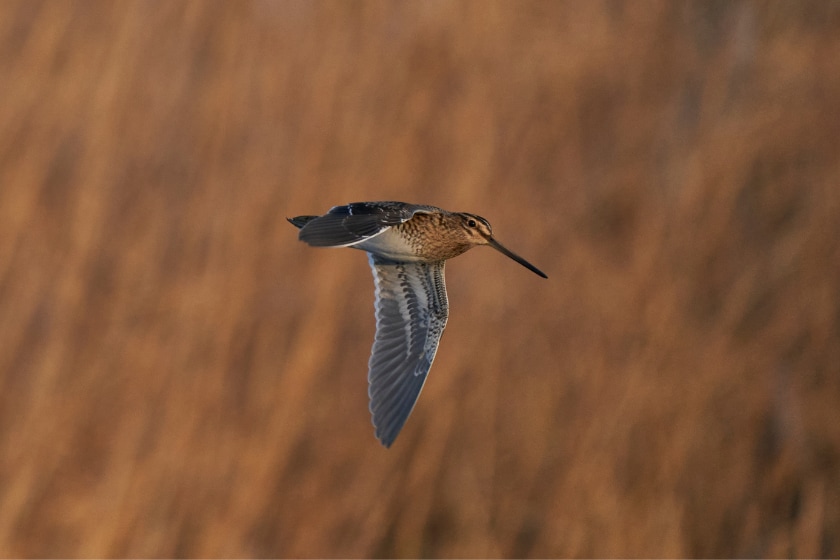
{"type": "Point", "coordinates": [411, 313]}
{"type": "Point", "coordinates": [344, 226]}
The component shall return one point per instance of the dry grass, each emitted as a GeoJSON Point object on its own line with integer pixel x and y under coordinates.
{"type": "Point", "coordinates": [180, 377]}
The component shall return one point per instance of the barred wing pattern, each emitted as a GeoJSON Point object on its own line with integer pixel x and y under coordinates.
{"type": "Point", "coordinates": [411, 313]}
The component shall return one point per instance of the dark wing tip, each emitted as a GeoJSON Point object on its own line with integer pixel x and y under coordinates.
{"type": "Point", "coordinates": [300, 221]}
{"type": "Point", "coordinates": [391, 411]}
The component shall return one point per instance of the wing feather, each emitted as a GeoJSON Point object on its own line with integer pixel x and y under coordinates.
{"type": "Point", "coordinates": [348, 225]}
{"type": "Point", "coordinates": [411, 314]}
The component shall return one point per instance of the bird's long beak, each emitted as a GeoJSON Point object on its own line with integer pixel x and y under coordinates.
{"type": "Point", "coordinates": [500, 248]}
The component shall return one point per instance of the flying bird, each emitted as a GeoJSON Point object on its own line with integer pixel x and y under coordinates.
{"type": "Point", "coordinates": [407, 247]}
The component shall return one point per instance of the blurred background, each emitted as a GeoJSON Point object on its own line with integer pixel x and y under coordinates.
{"type": "Point", "coordinates": [179, 376]}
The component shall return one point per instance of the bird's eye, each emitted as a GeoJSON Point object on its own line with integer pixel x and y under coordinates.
{"type": "Point", "coordinates": [471, 223]}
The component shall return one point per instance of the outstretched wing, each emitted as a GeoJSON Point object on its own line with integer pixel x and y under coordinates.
{"type": "Point", "coordinates": [411, 313]}
{"type": "Point", "coordinates": [347, 225]}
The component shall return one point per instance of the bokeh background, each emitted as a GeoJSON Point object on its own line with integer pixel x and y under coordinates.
{"type": "Point", "coordinates": [180, 377]}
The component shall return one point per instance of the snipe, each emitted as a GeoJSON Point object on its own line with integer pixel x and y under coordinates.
{"type": "Point", "coordinates": [407, 246]}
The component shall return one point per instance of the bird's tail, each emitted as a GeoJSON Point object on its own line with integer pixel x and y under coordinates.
{"type": "Point", "coordinates": [300, 221]}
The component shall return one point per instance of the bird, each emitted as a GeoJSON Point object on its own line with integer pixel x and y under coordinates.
{"type": "Point", "coordinates": [407, 246]}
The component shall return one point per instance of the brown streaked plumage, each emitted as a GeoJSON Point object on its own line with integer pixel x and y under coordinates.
{"type": "Point", "coordinates": [407, 246]}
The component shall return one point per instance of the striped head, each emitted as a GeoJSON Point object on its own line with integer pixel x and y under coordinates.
{"type": "Point", "coordinates": [474, 229]}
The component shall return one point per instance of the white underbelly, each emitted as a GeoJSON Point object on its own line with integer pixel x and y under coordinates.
{"type": "Point", "coordinates": [391, 245]}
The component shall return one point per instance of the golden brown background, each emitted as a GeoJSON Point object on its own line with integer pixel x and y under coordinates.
{"type": "Point", "coordinates": [179, 376]}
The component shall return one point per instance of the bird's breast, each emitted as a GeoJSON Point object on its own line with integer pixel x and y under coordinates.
{"type": "Point", "coordinates": [410, 243]}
